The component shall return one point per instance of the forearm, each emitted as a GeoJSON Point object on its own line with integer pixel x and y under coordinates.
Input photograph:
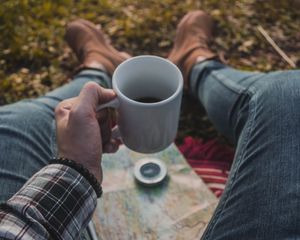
{"type": "Point", "coordinates": [57, 202]}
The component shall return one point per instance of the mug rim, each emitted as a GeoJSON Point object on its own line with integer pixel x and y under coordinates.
{"type": "Point", "coordinates": [170, 98]}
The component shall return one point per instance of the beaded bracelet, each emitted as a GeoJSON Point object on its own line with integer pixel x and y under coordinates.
{"type": "Point", "coordinates": [82, 170]}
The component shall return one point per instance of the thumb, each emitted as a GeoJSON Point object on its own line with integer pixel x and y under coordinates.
{"type": "Point", "coordinates": [92, 95]}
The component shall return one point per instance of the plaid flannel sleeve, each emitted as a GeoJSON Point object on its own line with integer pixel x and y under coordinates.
{"type": "Point", "coordinates": [56, 203]}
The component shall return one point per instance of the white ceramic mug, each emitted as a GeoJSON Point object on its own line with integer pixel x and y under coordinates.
{"type": "Point", "coordinates": [150, 126]}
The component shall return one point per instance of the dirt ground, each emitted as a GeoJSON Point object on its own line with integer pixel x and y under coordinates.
{"type": "Point", "coordinates": [35, 59]}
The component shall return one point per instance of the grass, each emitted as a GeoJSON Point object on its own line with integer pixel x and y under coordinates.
{"type": "Point", "coordinates": [35, 59]}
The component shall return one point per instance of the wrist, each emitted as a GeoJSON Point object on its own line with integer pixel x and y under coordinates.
{"type": "Point", "coordinates": [88, 175]}
{"type": "Point", "coordinates": [85, 161]}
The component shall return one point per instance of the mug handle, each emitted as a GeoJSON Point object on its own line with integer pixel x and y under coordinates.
{"type": "Point", "coordinates": [115, 103]}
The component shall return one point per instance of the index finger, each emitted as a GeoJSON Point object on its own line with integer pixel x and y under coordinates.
{"type": "Point", "coordinates": [92, 95]}
{"type": "Point", "coordinates": [64, 107]}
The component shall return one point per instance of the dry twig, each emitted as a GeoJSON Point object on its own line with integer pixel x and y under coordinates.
{"type": "Point", "coordinates": [276, 47]}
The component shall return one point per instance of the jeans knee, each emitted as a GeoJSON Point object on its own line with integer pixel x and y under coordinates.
{"type": "Point", "coordinates": [280, 97]}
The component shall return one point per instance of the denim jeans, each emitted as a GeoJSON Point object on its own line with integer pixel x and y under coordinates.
{"type": "Point", "coordinates": [260, 113]}
{"type": "Point", "coordinates": [27, 133]}
{"type": "Point", "coordinates": [257, 111]}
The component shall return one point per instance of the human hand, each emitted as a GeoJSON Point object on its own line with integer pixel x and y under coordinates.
{"type": "Point", "coordinates": [82, 133]}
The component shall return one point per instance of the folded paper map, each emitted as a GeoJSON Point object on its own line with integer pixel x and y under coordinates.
{"type": "Point", "coordinates": [179, 208]}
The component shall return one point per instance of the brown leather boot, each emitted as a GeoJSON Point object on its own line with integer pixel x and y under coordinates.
{"type": "Point", "coordinates": [193, 35]}
{"type": "Point", "coordinates": [91, 47]}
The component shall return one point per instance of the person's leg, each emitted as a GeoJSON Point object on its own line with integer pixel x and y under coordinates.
{"type": "Point", "coordinates": [27, 128]}
{"type": "Point", "coordinates": [260, 113]}
{"type": "Point", "coordinates": [234, 84]}
{"type": "Point", "coordinates": [27, 132]}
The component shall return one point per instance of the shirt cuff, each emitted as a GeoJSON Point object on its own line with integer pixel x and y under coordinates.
{"type": "Point", "coordinates": [57, 201]}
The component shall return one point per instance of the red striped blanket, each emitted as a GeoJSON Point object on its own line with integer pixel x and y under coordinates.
{"type": "Point", "coordinates": [210, 160]}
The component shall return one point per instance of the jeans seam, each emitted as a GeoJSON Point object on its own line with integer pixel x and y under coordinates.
{"type": "Point", "coordinates": [222, 79]}
{"type": "Point", "coordinates": [249, 128]}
